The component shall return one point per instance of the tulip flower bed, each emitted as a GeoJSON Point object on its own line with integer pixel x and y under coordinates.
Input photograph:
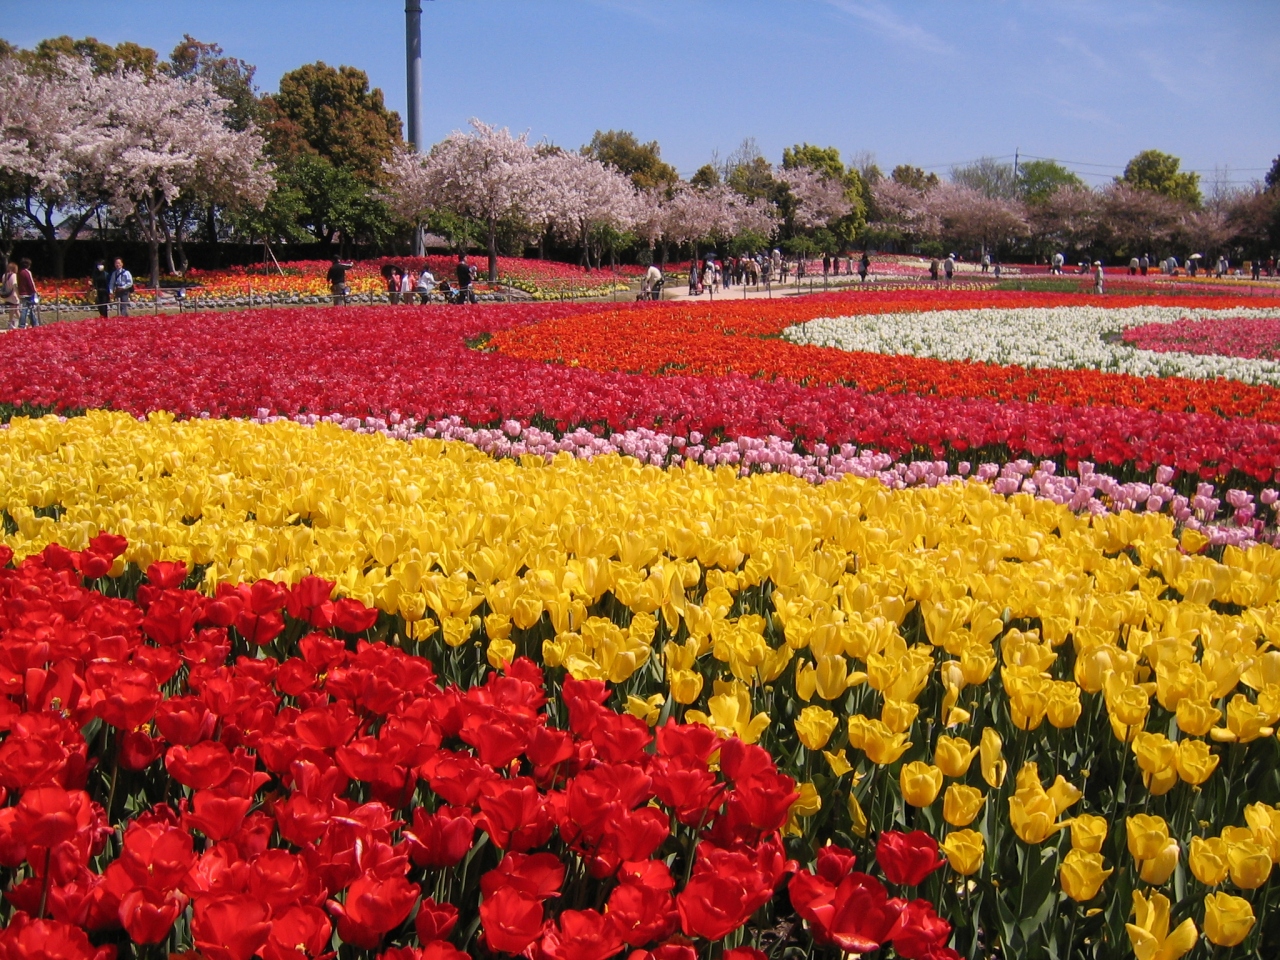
{"type": "Point", "coordinates": [1237, 336]}
{"type": "Point", "coordinates": [1075, 337]}
{"type": "Point", "coordinates": [303, 281]}
{"type": "Point", "coordinates": [269, 688]}
{"type": "Point", "coordinates": [363, 363]}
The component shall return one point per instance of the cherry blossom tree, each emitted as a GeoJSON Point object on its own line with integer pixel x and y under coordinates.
{"type": "Point", "coordinates": [1070, 217]}
{"type": "Point", "coordinates": [164, 138]}
{"type": "Point", "coordinates": [584, 198]}
{"type": "Point", "coordinates": [49, 123]}
{"type": "Point", "coordinates": [694, 214]}
{"type": "Point", "coordinates": [487, 174]}
{"type": "Point", "coordinates": [818, 199]}
{"type": "Point", "coordinates": [1134, 219]}
{"type": "Point", "coordinates": [970, 218]}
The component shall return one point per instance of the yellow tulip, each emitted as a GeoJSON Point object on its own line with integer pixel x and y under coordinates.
{"type": "Point", "coordinates": [899, 715]}
{"type": "Point", "coordinates": [1088, 831]}
{"type": "Point", "coordinates": [1064, 707]}
{"type": "Point", "coordinates": [961, 804]}
{"type": "Point", "coordinates": [1033, 811]}
{"type": "Point", "coordinates": [857, 817]}
{"type": "Point", "coordinates": [500, 653]}
{"type": "Point", "coordinates": [964, 850]}
{"type": "Point", "coordinates": [920, 783]}
{"type": "Point", "coordinates": [647, 710]}
{"type": "Point", "coordinates": [1208, 860]}
{"type": "Point", "coordinates": [1196, 716]}
{"type": "Point", "coordinates": [1246, 722]}
{"type": "Point", "coordinates": [1082, 875]}
{"type": "Point", "coordinates": [1249, 864]}
{"type": "Point", "coordinates": [994, 767]}
{"type": "Point", "coordinates": [686, 686]}
{"type": "Point", "coordinates": [1264, 822]}
{"type": "Point", "coordinates": [953, 755]}
{"type": "Point", "coordinates": [1159, 868]}
{"type": "Point", "coordinates": [838, 762]}
{"type": "Point", "coordinates": [1149, 933]}
{"type": "Point", "coordinates": [1147, 836]}
{"type": "Point", "coordinates": [1227, 919]}
{"type": "Point", "coordinates": [1195, 762]}
{"type": "Point", "coordinates": [880, 744]}
{"type": "Point", "coordinates": [806, 681]}
{"type": "Point", "coordinates": [814, 727]}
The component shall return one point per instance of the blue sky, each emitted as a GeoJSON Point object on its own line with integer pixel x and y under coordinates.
{"type": "Point", "coordinates": [929, 83]}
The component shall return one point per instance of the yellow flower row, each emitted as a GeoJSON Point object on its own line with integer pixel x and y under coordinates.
{"type": "Point", "coordinates": [848, 626]}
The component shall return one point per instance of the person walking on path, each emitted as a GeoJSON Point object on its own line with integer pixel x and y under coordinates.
{"type": "Point", "coordinates": [933, 269]}
{"type": "Point", "coordinates": [1144, 264]}
{"type": "Point", "coordinates": [406, 286]}
{"type": "Point", "coordinates": [864, 265]}
{"type": "Point", "coordinates": [986, 262]}
{"type": "Point", "coordinates": [27, 296]}
{"type": "Point", "coordinates": [120, 286]}
{"type": "Point", "coordinates": [101, 281]}
{"type": "Point", "coordinates": [1097, 276]}
{"type": "Point", "coordinates": [337, 277]}
{"type": "Point", "coordinates": [949, 267]}
{"type": "Point", "coordinates": [9, 294]}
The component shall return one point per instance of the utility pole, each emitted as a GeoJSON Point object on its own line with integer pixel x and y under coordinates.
{"type": "Point", "coordinates": [1015, 167]}
{"type": "Point", "coordinates": [413, 79]}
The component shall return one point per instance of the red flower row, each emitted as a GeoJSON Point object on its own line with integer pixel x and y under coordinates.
{"type": "Point", "coordinates": [415, 362]}
{"type": "Point", "coordinates": [337, 787]}
{"type": "Point", "coordinates": [741, 337]}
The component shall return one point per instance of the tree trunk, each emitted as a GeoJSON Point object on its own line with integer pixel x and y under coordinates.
{"type": "Point", "coordinates": [168, 247]}
{"type": "Point", "coordinates": [493, 251]}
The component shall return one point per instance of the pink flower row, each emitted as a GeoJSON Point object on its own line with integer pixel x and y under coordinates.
{"type": "Point", "coordinates": [1250, 337]}
{"type": "Point", "coordinates": [1086, 492]}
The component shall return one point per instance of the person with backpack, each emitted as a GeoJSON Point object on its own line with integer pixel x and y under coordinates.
{"type": "Point", "coordinates": [101, 283]}
{"type": "Point", "coordinates": [120, 286]}
{"type": "Point", "coordinates": [27, 296]}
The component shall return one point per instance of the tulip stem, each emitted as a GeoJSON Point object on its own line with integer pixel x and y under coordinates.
{"type": "Point", "coordinates": [44, 891]}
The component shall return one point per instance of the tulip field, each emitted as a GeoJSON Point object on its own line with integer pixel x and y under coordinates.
{"type": "Point", "coordinates": [928, 624]}
{"type": "Point", "coordinates": [303, 281]}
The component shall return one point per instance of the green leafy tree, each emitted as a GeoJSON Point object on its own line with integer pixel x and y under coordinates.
{"type": "Point", "coordinates": [823, 160]}
{"type": "Point", "coordinates": [1038, 179]}
{"type": "Point", "coordinates": [333, 114]}
{"type": "Point", "coordinates": [914, 177]}
{"type": "Point", "coordinates": [1159, 173]}
{"type": "Point", "coordinates": [231, 77]}
{"type": "Point", "coordinates": [334, 201]}
{"type": "Point", "coordinates": [103, 57]}
{"type": "Point", "coordinates": [1272, 179]}
{"type": "Point", "coordinates": [642, 162]}
{"type": "Point", "coordinates": [706, 176]}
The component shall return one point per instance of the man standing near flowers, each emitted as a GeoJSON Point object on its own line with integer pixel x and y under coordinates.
{"type": "Point", "coordinates": [27, 296]}
{"type": "Point", "coordinates": [337, 278]}
{"type": "Point", "coordinates": [1097, 276]}
{"type": "Point", "coordinates": [120, 286]}
{"type": "Point", "coordinates": [101, 282]}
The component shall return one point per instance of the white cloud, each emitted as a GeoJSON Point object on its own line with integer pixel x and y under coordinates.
{"type": "Point", "coordinates": [885, 21]}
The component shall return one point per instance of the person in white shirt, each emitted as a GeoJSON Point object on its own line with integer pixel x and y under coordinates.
{"type": "Point", "coordinates": [651, 284]}
{"type": "Point", "coordinates": [120, 286]}
{"type": "Point", "coordinates": [426, 283]}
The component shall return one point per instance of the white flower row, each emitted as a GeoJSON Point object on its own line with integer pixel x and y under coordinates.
{"type": "Point", "coordinates": [1057, 337]}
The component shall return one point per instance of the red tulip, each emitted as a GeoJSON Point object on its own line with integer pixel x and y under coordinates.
{"type": "Point", "coordinates": [148, 915]}
{"type": "Point", "coordinates": [27, 939]}
{"type": "Point", "coordinates": [907, 858]}
{"type": "Point", "coordinates": [300, 931]}
{"type": "Point", "coordinates": [231, 927]}
{"type": "Point", "coordinates": [581, 935]}
{"type": "Point", "coordinates": [373, 907]}
{"type": "Point", "coordinates": [435, 921]}
{"type": "Point", "coordinates": [511, 920]}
